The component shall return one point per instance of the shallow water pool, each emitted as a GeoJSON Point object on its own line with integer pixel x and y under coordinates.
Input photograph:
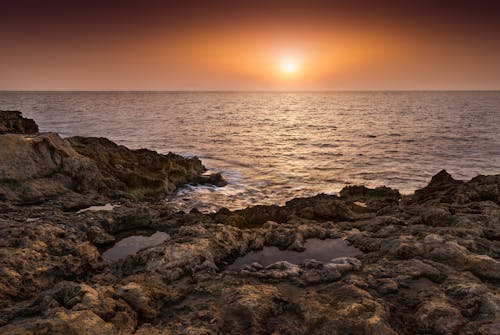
{"type": "Point", "coordinates": [132, 244]}
{"type": "Point", "coordinates": [321, 250]}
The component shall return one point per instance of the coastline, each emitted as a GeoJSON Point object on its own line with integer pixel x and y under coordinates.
{"type": "Point", "coordinates": [429, 261]}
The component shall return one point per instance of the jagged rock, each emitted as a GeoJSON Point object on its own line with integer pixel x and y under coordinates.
{"type": "Point", "coordinates": [129, 219]}
{"type": "Point", "coordinates": [46, 167]}
{"type": "Point", "coordinates": [430, 261]}
{"type": "Point", "coordinates": [138, 298]}
{"type": "Point", "coordinates": [141, 172]}
{"type": "Point", "coordinates": [148, 329]}
{"type": "Point", "coordinates": [43, 167]}
{"type": "Point", "coordinates": [443, 188]}
{"type": "Point", "coordinates": [88, 253]}
{"type": "Point", "coordinates": [215, 179]}
{"type": "Point", "coordinates": [439, 317]}
{"type": "Point", "coordinates": [248, 307]}
{"type": "Point", "coordinates": [365, 200]}
{"type": "Point", "coordinates": [99, 237]}
{"type": "Point", "coordinates": [14, 122]}
{"type": "Point", "coordinates": [62, 322]}
{"type": "Point", "coordinates": [309, 272]}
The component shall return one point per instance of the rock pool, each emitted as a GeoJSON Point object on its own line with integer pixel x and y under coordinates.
{"type": "Point", "coordinates": [132, 244]}
{"type": "Point", "coordinates": [321, 250]}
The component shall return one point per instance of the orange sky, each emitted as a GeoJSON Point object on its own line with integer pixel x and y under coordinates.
{"type": "Point", "coordinates": [217, 45]}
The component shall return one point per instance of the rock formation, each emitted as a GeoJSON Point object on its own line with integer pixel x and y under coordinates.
{"type": "Point", "coordinates": [77, 171]}
{"type": "Point", "coordinates": [429, 262]}
{"type": "Point", "coordinates": [14, 122]}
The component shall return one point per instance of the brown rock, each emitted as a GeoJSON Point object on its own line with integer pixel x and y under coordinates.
{"type": "Point", "coordinates": [14, 122]}
{"type": "Point", "coordinates": [44, 167]}
{"type": "Point", "coordinates": [138, 298]}
{"type": "Point", "coordinates": [439, 317]}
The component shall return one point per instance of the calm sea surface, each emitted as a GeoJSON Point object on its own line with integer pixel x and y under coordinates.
{"type": "Point", "coordinates": [272, 147]}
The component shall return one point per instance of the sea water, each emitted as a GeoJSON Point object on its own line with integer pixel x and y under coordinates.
{"type": "Point", "coordinates": [274, 146]}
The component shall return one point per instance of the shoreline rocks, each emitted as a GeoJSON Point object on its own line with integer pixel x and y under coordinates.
{"type": "Point", "coordinates": [78, 171]}
{"type": "Point", "coordinates": [430, 261]}
{"type": "Point", "coordinates": [14, 122]}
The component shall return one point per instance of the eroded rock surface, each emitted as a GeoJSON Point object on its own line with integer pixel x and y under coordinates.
{"type": "Point", "coordinates": [14, 122]}
{"type": "Point", "coordinates": [429, 262]}
{"type": "Point", "coordinates": [77, 172]}
{"type": "Point", "coordinates": [430, 265]}
{"type": "Point", "coordinates": [139, 173]}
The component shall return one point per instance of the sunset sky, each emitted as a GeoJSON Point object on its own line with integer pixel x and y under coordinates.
{"type": "Point", "coordinates": [249, 45]}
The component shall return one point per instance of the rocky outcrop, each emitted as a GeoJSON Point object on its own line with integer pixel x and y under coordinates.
{"type": "Point", "coordinates": [429, 265]}
{"type": "Point", "coordinates": [139, 173]}
{"type": "Point", "coordinates": [77, 172]}
{"type": "Point", "coordinates": [44, 167]}
{"type": "Point", "coordinates": [445, 189]}
{"type": "Point", "coordinates": [14, 122]}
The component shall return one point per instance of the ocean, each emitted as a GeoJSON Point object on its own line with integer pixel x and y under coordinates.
{"type": "Point", "coordinates": [275, 146]}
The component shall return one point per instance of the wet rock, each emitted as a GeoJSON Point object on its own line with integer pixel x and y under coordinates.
{"type": "Point", "coordinates": [214, 179]}
{"type": "Point", "coordinates": [484, 266]}
{"type": "Point", "coordinates": [345, 263]}
{"type": "Point", "coordinates": [484, 188]}
{"type": "Point", "coordinates": [443, 188]}
{"type": "Point", "coordinates": [298, 243]}
{"type": "Point", "coordinates": [475, 299]}
{"type": "Point", "coordinates": [350, 310]}
{"type": "Point", "coordinates": [362, 192]}
{"type": "Point", "coordinates": [402, 247]}
{"type": "Point", "coordinates": [310, 272]}
{"type": "Point", "coordinates": [278, 236]}
{"type": "Point", "coordinates": [442, 178]}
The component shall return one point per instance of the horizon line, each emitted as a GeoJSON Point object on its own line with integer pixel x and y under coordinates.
{"type": "Point", "coordinates": [258, 91]}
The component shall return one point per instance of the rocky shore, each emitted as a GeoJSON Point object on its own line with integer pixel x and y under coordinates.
{"type": "Point", "coordinates": [428, 263]}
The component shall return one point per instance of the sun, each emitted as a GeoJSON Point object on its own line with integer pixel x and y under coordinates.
{"type": "Point", "coordinates": [289, 66]}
